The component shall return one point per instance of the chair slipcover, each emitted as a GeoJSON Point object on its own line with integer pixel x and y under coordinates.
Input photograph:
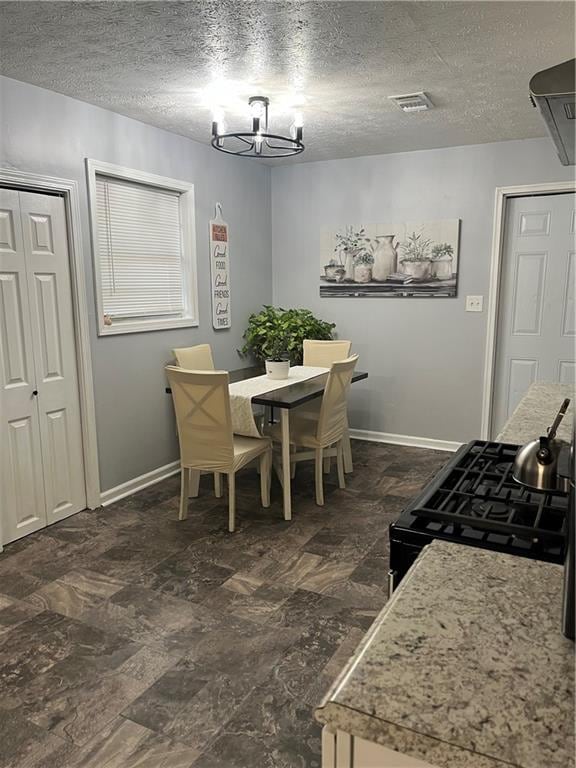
{"type": "Point", "coordinates": [198, 358]}
{"type": "Point", "coordinates": [202, 405]}
{"type": "Point", "coordinates": [324, 353]}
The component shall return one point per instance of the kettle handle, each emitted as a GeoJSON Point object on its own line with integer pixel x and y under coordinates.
{"type": "Point", "coordinates": [559, 416]}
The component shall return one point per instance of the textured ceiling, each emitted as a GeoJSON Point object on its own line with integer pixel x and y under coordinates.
{"type": "Point", "coordinates": [164, 62]}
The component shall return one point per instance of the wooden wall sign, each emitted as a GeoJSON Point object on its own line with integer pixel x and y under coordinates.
{"type": "Point", "coordinates": [220, 271]}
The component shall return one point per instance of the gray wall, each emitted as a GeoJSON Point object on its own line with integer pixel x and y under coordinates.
{"type": "Point", "coordinates": [44, 132]}
{"type": "Point", "coordinates": [425, 357]}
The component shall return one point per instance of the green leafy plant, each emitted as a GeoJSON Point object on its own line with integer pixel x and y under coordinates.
{"type": "Point", "coordinates": [442, 251]}
{"type": "Point", "coordinates": [352, 242]}
{"type": "Point", "coordinates": [277, 334]}
{"type": "Point", "coordinates": [416, 248]}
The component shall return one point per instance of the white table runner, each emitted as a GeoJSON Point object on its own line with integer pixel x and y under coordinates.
{"type": "Point", "coordinates": [242, 392]}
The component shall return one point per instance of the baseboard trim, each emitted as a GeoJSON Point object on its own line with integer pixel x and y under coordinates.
{"type": "Point", "coordinates": [138, 483]}
{"type": "Point", "coordinates": [409, 440]}
{"type": "Point", "coordinates": [161, 473]}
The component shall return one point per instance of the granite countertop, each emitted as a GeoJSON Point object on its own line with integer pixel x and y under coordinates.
{"type": "Point", "coordinates": [466, 665]}
{"type": "Point", "coordinates": [536, 412]}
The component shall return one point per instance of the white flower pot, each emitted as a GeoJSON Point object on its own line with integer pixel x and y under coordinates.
{"type": "Point", "coordinates": [418, 269]}
{"type": "Point", "coordinates": [442, 268]}
{"type": "Point", "coordinates": [277, 369]}
{"type": "Point", "coordinates": [362, 273]}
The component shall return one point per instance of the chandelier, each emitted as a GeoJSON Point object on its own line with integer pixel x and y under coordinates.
{"type": "Point", "coordinates": [257, 142]}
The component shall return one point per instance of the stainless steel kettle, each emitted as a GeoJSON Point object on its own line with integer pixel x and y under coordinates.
{"type": "Point", "coordinates": [536, 463]}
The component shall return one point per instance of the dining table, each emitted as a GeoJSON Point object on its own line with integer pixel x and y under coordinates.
{"type": "Point", "coordinates": [285, 399]}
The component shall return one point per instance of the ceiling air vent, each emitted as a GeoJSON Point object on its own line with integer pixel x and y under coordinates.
{"type": "Point", "coordinates": [413, 102]}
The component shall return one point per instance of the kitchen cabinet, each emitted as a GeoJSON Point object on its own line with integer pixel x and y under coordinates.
{"type": "Point", "coordinates": [465, 666]}
{"type": "Point", "coordinates": [341, 750]}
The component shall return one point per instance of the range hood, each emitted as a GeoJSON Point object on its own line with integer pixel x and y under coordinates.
{"type": "Point", "coordinates": [554, 93]}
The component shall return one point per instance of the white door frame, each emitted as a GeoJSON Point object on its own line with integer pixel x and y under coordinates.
{"type": "Point", "coordinates": [502, 195]}
{"type": "Point", "coordinates": [39, 183]}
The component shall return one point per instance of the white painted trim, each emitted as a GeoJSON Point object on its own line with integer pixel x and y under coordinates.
{"type": "Point", "coordinates": [190, 316]}
{"type": "Point", "coordinates": [69, 188]}
{"type": "Point", "coordinates": [139, 483]}
{"type": "Point", "coordinates": [501, 197]}
{"type": "Point", "coordinates": [409, 440]}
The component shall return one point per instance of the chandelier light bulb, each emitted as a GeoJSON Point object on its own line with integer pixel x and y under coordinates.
{"type": "Point", "coordinates": [257, 109]}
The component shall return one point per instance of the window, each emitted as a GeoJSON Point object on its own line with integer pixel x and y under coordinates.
{"type": "Point", "coordinates": [144, 250]}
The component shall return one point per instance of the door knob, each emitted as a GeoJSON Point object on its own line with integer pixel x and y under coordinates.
{"type": "Point", "coordinates": [35, 392]}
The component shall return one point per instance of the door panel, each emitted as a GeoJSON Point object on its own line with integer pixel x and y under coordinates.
{"type": "Point", "coordinates": [24, 487]}
{"type": "Point", "coordinates": [41, 238]}
{"type": "Point", "coordinates": [50, 337]}
{"type": "Point", "coordinates": [569, 318]}
{"type": "Point", "coordinates": [537, 223]}
{"type": "Point", "coordinates": [59, 483]}
{"type": "Point", "coordinates": [567, 372]}
{"type": "Point", "coordinates": [22, 505]}
{"type": "Point", "coordinates": [536, 323]}
{"type": "Point", "coordinates": [522, 374]}
{"type": "Point", "coordinates": [7, 235]}
{"type": "Point", "coordinates": [529, 293]}
{"type": "Point", "coordinates": [46, 248]}
{"type": "Point", "coordinates": [14, 368]}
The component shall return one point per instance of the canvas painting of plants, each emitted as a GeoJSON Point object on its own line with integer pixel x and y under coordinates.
{"type": "Point", "coordinates": [397, 260]}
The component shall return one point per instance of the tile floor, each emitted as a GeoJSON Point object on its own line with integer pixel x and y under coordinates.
{"type": "Point", "coordinates": [131, 640]}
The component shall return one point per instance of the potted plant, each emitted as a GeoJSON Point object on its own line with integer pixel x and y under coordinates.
{"type": "Point", "coordinates": [277, 363]}
{"type": "Point", "coordinates": [416, 258]}
{"type": "Point", "coordinates": [363, 267]}
{"type": "Point", "coordinates": [276, 332]}
{"type": "Point", "coordinates": [441, 265]}
{"type": "Point", "coordinates": [334, 270]}
{"type": "Point", "coordinates": [349, 246]}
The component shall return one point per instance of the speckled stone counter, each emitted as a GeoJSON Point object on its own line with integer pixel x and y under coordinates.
{"type": "Point", "coordinates": [536, 411]}
{"type": "Point", "coordinates": [466, 666]}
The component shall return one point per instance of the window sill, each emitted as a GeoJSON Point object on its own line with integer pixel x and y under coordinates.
{"type": "Point", "coordinates": [143, 326]}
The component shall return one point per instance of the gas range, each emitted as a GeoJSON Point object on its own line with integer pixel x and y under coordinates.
{"type": "Point", "coordinates": [473, 500]}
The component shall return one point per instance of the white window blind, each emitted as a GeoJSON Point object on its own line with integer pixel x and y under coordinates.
{"type": "Point", "coordinates": [140, 253]}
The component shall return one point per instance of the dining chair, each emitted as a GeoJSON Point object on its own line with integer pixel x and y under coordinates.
{"type": "Point", "coordinates": [323, 354]}
{"type": "Point", "coordinates": [325, 436]}
{"type": "Point", "coordinates": [198, 358]}
{"type": "Point", "coordinates": [202, 405]}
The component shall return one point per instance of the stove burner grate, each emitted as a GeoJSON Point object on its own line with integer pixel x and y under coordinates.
{"type": "Point", "coordinates": [477, 491]}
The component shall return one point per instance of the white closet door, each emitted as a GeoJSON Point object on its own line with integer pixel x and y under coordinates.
{"type": "Point", "coordinates": [46, 249]}
{"type": "Point", "coordinates": [22, 501]}
{"type": "Point", "coordinates": [536, 324]}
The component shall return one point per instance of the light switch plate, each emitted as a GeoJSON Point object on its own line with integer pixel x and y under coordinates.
{"type": "Point", "coordinates": [474, 303]}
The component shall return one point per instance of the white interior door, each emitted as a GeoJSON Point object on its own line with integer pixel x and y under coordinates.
{"type": "Point", "coordinates": [42, 401]}
{"type": "Point", "coordinates": [22, 503]}
{"type": "Point", "coordinates": [536, 313]}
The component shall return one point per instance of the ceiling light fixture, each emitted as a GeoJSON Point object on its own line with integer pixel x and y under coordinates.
{"type": "Point", "coordinates": [257, 142]}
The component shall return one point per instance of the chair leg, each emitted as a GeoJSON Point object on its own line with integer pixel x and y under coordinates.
{"type": "Point", "coordinates": [218, 485]}
{"type": "Point", "coordinates": [340, 463]}
{"type": "Point", "coordinates": [265, 466]}
{"type": "Point", "coordinates": [231, 502]}
{"type": "Point", "coordinates": [319, 478]}
{"type": "Point", "coordinates": [194, 489]}
{"type": "Point", "coordinates": [184, 483]}
{"type": "Point", "coordinates": [348, 466]}
{"type": "Point", "coordinates": [326, 465]}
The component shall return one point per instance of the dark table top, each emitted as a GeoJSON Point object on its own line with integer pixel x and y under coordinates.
{"type": "Point", "coordinates": [290, 396]}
